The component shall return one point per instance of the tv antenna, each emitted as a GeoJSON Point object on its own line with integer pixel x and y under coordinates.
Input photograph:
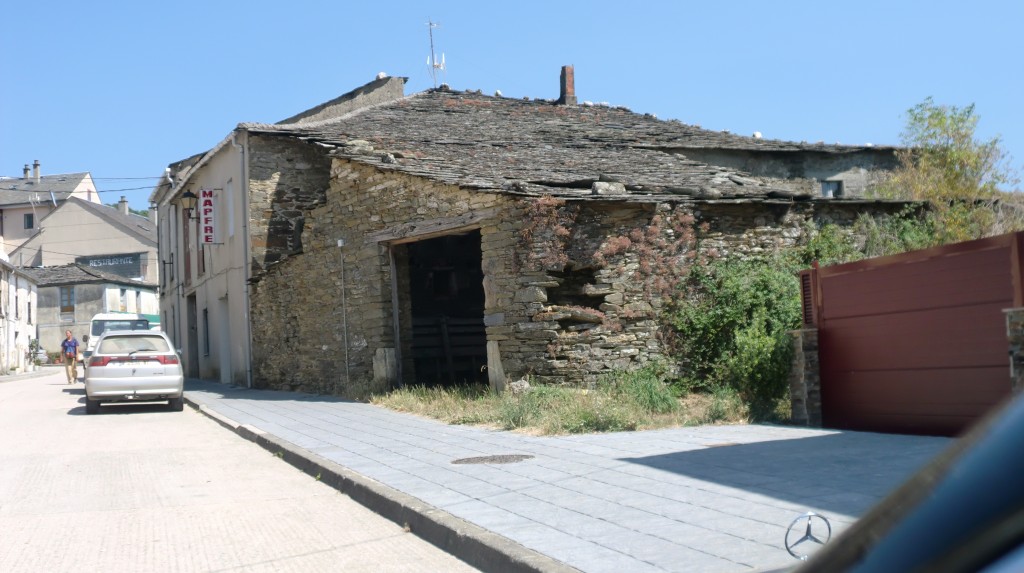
{"type": "Point", "coordinates": [432, 61]}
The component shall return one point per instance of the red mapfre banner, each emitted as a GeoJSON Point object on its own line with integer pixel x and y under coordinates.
{"type": "Point", "coordinates": [207, 216]}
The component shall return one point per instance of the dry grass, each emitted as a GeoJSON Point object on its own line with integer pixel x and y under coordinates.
{"type": "Point", "coordinates": [543, 410]}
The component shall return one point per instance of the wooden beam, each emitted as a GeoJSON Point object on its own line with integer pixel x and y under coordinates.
{"type": "Point", "coordinates": [396, 320]}
{"type": "Point", "coordinates": [420, 230]}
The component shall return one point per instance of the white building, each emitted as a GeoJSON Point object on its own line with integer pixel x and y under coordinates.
{"type": "Point", "coordinates": [106, 238]}
{"type": "Point", "coordinates": [17, 318]}
{"type": "Point", "coordinates": [25, 201]}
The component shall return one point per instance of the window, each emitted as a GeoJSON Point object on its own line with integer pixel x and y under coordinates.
{"type": "Point", "coordinates": [831, 189]}
{"type": "Point", "coordinates": [30, 220]}
{"type": "Point", "coordinates": [124, 300]}
{"type": "Point", "coordinates": [67, 299]}
{"type": "Point", "coordinates": [100, 326]}
{"type": "Point", "coordinates": [67, 304]}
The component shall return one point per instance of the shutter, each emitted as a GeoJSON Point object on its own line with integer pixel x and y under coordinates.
{"type": "Point", "coordinates": [807, 298]}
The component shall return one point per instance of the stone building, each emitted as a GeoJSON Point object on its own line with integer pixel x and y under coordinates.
{"type": "Point", "coordinates": [450, 236]}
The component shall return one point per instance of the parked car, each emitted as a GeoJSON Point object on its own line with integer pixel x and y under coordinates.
{"type": "Point", "coordinates": [134, 366]}
{"type": "Point", "coordinates": [963, 512]}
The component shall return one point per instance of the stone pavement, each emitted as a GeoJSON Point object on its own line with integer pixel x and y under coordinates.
{"type": "Point", "coordinates": [709, 499]}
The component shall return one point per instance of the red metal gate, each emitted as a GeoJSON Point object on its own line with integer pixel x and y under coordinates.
{"type": "Point", "coordinates": [915, 343]}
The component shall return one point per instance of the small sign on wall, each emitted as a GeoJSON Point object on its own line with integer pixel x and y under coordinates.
{"type": "Point", "coordinates": [208, 216]}
{"type": "Point", "coordinates": [127, 265]}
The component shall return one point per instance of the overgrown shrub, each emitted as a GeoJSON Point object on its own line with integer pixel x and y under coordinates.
{"type": "Point", "coordinates": [730, 321]}
{"type": "Point", "coordinates": [894, 235]}
{"type": "Point", "coordinates": [829, 244]}
{"type": "Point", "coordinates": [731, 329]}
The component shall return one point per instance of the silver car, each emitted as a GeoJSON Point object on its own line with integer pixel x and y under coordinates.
{"type": "Point", "coordinates": [134, 366]}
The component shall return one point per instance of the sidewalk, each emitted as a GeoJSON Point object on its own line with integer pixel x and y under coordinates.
{"type": "Point", "coordinates": [43, 370]}
{"type": "Point", "coordinates": [709, 499]}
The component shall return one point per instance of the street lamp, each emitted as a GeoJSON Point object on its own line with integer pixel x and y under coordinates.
{"type": "Point", "coordinates": [188, 202]}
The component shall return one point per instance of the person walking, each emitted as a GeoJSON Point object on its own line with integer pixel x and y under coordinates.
{"type": "Point", "coordinates": [69, 354]}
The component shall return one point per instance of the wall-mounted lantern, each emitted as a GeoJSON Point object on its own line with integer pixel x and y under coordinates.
{"type": "Point", "coordinates": [188, 202]}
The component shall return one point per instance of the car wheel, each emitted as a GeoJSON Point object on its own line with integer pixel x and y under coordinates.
{"type": "Point", "coordinates": [176, 404]}
{"type": "Point", "coordinates": [92, 406]}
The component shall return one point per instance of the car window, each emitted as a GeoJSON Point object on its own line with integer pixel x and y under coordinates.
{"type": "Point", "coordinates": [101, 326]}
{"type": "Point", "coordinates": [126, 344]}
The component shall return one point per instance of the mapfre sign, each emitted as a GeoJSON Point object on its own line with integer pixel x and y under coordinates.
{"type": "Point", "coordinates": [208, 216]}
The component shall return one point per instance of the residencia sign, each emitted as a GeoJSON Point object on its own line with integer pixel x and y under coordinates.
{"type": "Point", "coordinates": [207, 216]}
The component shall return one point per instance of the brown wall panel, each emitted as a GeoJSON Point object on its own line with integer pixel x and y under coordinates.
{"type": "Point", "coordinates": [933, 283]}
{"type": "Point", "coordinates": [916, 343]}
{"type": "Point", "coordinates": [920, 401]}
{"type": "Point", "coordinates": [949, 338]}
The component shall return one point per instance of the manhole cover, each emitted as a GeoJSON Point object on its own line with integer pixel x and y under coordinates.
{"type": "Point", "coordinates": [500, 459]}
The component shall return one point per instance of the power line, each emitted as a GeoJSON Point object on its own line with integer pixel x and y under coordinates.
{"type": "Point", "coordinates": [125, 178]}
{"type": "Point", "coordinates": [146, 254]}
{"type": "Point", "coordinates": [56, 191]}
{"type": "Point", "coordinates": [2, 177]}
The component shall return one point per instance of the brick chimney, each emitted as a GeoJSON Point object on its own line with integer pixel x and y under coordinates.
{"type": "Point", "coordinates": [35, 171]}
{"type": "Point", "coordinates": [122, 205]}
{"type": "Point", "coordinates": [568, 85]}
{"type": "Point", "coordinates": [27, 172]}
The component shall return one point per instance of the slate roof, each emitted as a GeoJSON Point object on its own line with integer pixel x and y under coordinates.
{"type": "Point", "coordinates": [75, 273]}
{"type": "Point", "coordinates": [536, 146]}
{"type": "Point", "coordinates": [18, 190]}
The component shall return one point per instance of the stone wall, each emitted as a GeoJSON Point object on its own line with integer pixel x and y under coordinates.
{"type": "Point", "coordinates": [287, 178]}
{"type": "Point", "coordinates": [860, 171]}
{"type": "Point", "coordinates": [323, 321]}
{"type": "Point", "coordinates": [567, 298]}
{"type": "Point", "coordinates": [805, 379]}
{"type": "Point", "coordinates": [583, 311]}
{"type": "Point", "coordinates": [378, 91]}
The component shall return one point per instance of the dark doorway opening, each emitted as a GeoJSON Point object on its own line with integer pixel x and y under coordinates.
{"type": "Point", "coordinates": [449, 342]}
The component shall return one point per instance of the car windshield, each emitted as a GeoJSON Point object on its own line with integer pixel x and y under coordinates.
{"type": "Point", "coordinates": [129, 344]}
{"type": "Point", "coordinates": [101, 326]}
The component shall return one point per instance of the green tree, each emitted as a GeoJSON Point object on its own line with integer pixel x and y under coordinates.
{"type": "Point", "coordinates": [964, 179]}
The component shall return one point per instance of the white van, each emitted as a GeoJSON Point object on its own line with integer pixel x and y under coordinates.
{"type": "Point", "coordinates": [105, 321]}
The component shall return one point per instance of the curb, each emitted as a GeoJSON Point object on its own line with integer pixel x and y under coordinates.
{"type": "Point", "coordinates": [471, 543]}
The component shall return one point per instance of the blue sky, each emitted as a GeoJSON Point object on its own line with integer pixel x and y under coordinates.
{"type": "Point", "coordinates": [121, 89]}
